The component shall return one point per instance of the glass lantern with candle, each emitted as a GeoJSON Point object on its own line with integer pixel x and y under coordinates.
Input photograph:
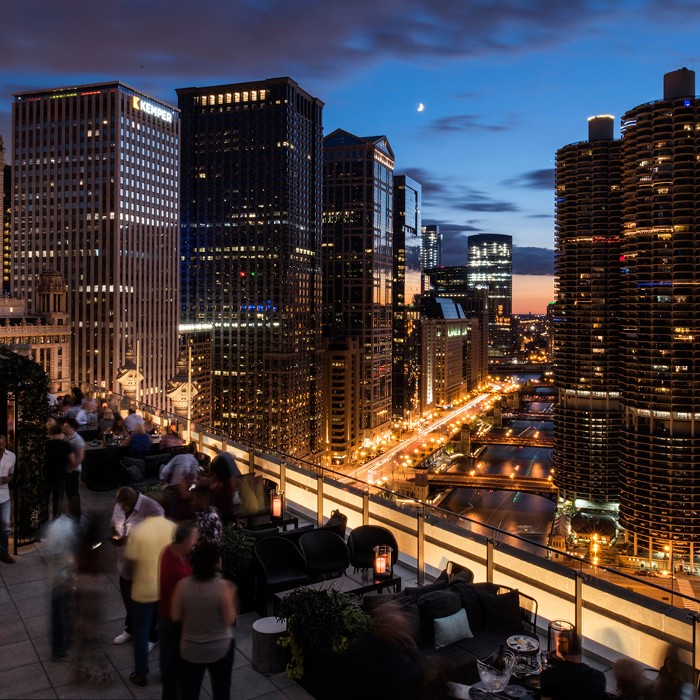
{"type": "Point", "coordinates": [383, 567]}
{"type": "Point", "coordinates": [277, 504]}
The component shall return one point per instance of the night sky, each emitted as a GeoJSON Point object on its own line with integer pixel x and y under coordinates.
{"type": "Point", "coordinates": [504, 83]}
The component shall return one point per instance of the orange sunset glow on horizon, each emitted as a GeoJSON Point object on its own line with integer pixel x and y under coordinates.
{"type": "Point", "coordinates": [532, 293]}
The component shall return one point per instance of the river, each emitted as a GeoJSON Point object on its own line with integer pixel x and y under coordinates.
{"type": "Point", "coordinates": [524, 514]}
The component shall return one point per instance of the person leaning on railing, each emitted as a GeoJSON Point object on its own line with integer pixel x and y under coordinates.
{"type": "Point", "coordinates": [180, 473]}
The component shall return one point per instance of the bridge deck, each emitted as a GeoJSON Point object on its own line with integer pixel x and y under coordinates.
{"type": "Point", "coordinates": [490, 439]}
{"type": "Point", "coordinates": [493, 481]}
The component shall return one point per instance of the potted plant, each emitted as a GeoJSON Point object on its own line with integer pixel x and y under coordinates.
{"type": "Point", "coordinates": [237, 564]}
{"type": "Point", "coordinates": [322, 627]}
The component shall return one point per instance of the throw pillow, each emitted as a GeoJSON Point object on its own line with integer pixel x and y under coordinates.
{"type": "Point", "coordinates": [435, 605]}
{"type": "Point", "coordinates": [502, 612]}
{"type": "Point", "coordinates": [464, 576]}
{"type": "Point", "coordinates": [454, 628]}
{"type": "Point", "coordinates": [140, 464]}
{"type": "Point", "coordinates": [133, 473]}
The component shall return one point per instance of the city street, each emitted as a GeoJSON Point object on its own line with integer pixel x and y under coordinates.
{"type": "Point", "coordinates": [381, 466]}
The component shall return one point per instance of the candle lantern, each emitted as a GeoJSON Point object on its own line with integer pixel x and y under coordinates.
{"type": "Point", "coordinates": [277, 504]}
{"type": "Point", "coordinates": [560, 638]}
{"type": "Point", "coordinates": [383, 567]}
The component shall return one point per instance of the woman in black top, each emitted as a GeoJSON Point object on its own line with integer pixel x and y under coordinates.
{"type": "Point", "coordinates": [59, 457]}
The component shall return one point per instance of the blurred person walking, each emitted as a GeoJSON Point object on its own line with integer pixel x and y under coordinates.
{"type": "Point", "coordinates": [89, 662]}
{"type": "Point", "coordinates": [144, 547]}
{"type": "Point", "coordinates": [59, 458]}
{"type": "Point", "coordinates": [130, 509]}
{"type": "Point", "coordinates": [132, 420]}
{"type": "Point", "coordinates": [61, 542]}
{"type": "Point", "coordinates": [180, 473]}
{"type": "Point", "coordinates": [77, 445]}
{"type": "Point", "coordinates": [7, 475]}
{"type": "Point", "coordinates": [207, 605]}
{"type": "Point", "coordinates": [174, 566]}
{"type": "Point", "coordinates": [206, 518]}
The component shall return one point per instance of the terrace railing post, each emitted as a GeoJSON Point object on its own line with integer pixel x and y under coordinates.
{"type": "Point", "coordinates": [489, 560]}
{"type": "Point", "coordinates": [319, 501]}
{"type": "Point", "coordinates": [695, 617]}
{"type": "Point", "coordinates": [283, 476]}
{"type": "Point", "coordinates": [578, 603]}
{"type": "Point", "coordinates": [365, 508]}
{"type": "Point", "coordinates": [251, 461]}
{"type": "Point", "coordinates": [420, 520]}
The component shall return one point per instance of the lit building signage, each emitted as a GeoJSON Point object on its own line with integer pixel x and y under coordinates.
{"type": "Point", "coordinates": [141, 105]}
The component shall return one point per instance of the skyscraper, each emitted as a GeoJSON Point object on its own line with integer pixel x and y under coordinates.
{"type": "Point", "coordinates": [586, 315]}
{"type": "Point", "coordinates": [406, 290]}
{"type": "Point", "coordinates": [659, 373]}
{"type": "Point", "coordinates": [358, 266]}
{"type": "Point", "coordinates": [490, 265]}
{"type": "Point", "coordinates": [251, 255]}
{"type": "Point", "coordinates": [431, 247]}
{"type": "Point", "coordinates": [95, 196]}
{"type": "Point", "coordinates": [6, 214]}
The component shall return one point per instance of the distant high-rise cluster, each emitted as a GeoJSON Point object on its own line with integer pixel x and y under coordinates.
{"type": "Point", "coordinates": [625, 319]}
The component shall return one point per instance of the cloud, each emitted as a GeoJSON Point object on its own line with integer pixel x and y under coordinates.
{"type": "Point", "coordinates": [535, 179]}
{"type": "Point", "coordinates": [273, 37]}
{"type": "Point", "coordinates": [466, 95]}
{"type": "Point", "coordinates": [460, 123]}
{"type": "Point", "coordinates": [532, 261]}
{"type": "Point", "coordinates": [540, 216]}
{"type": "Point", "coordinates": [439, 193]}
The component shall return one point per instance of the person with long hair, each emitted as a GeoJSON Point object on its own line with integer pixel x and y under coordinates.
{"type": "Point", "coordinates": [207, 606]}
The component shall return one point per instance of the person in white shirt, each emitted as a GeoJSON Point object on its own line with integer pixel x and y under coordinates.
{"type": "Point", "coordinates": [180, 473]}
{"type": "Point", "coordinates": [7, 475]}
{"type": "Point", "coordinates": [53, 401]}
{"type": "Point", "coordinates": [132, 420]}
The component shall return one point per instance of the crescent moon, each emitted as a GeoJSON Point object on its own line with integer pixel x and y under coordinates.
{"type": "Point", "coordinates": [421, 107]}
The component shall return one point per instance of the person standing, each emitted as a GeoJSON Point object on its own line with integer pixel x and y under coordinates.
{"type": "Point", "coordinates": [61, 547]}
{"type": "Point", "coordinates": [179, 474]}
{"type": "Point", "coordinates": [77, 445]}
{"type": "Point", "coordinates": [144, 548]}
{"type": "Point", "coordinates": [207, 606]}
{"type": "Point", "coordinates": [59, 458]}
{"type": "Point", "coordinates": [174, 566]}
{"type": "Point", "coordinates": [7, 475]}
{"type": "Point", "coordinates": [130, 509]}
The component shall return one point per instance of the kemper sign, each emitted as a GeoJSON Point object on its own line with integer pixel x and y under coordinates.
{"type": "Point", "coordinates": [149, 108]}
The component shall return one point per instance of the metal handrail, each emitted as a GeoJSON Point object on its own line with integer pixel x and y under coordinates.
{"type": "Point", "coordinates": [448, 514]}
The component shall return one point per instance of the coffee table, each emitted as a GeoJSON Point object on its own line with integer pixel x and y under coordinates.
{"type": "Point", "coordinates": [354, 584]}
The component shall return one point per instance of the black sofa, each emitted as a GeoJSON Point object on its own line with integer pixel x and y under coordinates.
{"type": "Point", "coordinates": [494, 614]}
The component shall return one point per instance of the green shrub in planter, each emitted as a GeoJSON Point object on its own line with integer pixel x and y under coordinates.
{"type": "Point", "coordinates": [237, 553]}
{"type": "Point", "coordinates": [319, 621]}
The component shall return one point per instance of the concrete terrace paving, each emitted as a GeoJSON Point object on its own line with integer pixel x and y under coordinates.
{"type": "Point", "coordinates": [26, 668]}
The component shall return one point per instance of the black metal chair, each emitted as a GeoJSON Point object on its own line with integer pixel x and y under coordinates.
{"type": "Point", "coordinates": [283, 564]}
{"type": "Point", "coordinates": [325, 552]}
{"type": "Point", "coordinates": [364, 539]}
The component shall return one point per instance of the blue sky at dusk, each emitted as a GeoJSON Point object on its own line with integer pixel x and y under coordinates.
{"type": "Point", "coordinates": [504, 83]}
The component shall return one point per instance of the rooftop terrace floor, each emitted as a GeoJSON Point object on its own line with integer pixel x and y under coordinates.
{"type": "Point", "coordinates": [26, 667]}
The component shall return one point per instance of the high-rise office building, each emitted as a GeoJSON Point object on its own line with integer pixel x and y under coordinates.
{"type": "Point", "coordinates": [6, 212]}
{"type": "Point", "coordinates": [406, 290]}
{"type": "Point", "coordinates": [454, 348]}
{"type": "Point", "coordinates": [490, 265]}
{"type": "Point", "coordinates": [95, 197]}
{"type": "Point", "coordinates": [586, 315]}
{"type": "Point", "coordinates": [358, 265]}
{"type": "Point", "coordinates": [659, 371]}
{"type": "Point", "coordinates": [251, 255]}
{"type": "Point", "coordinates": [431, 247]}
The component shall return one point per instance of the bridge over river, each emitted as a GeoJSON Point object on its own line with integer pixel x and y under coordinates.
{"type": "Point", "coordinates": [495, 439]}
{"type": "Point", "coordinates": [500, 482]}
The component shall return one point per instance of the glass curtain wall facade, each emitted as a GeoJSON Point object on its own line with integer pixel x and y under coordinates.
{"type": "Point", "coordinates": [406, 291]}
{"type": "Point", "coordinates": [586, 317]}
{"type": "Point", "coordinates": [95, 197]}
{"type": "Point", "coordinates": [251, 255]}
{"type": "Point", "coordinates": [358, 265]}
{"type": "Point", "coordinates": [490, 265]}
{"type": "Point", "coordinates": [660, 370]}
